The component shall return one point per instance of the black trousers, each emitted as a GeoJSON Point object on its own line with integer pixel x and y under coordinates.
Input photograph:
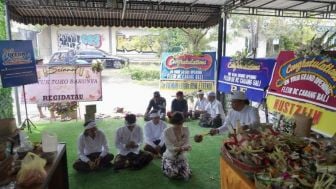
{"type": "Point", "coordinates": [152, 150]}
{"type": "Point", "coordinates": [132, 160]}
{"type": "Point", "coordinates": [105, 162]}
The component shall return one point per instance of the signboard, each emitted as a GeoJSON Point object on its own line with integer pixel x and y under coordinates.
{"type": "Point", "coordinates": [65, 83]}
{"type": "Point", "coordinates": [251, 77]}
{"type": "Point", "coordinates": [305, 86]}
{"type": "Point", "coordinates": [309, 80]}
{"type": "Point", "coordinates": [17, 63]}
{"type": "Point", "coordinates": [323, 120]}
{"type": "Point", "coordinates": [188, 72]}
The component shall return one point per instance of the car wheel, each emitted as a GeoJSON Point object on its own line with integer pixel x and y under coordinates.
{"type": "Point", "coordinates": [117, 64]}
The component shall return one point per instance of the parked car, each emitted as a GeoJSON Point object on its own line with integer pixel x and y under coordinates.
{"type": "Point", "coordinates": [87, 56]}
{"type": "Point", "coordinates": [66, 57]}
{"type": "Point", "coordinates": [108, 60]}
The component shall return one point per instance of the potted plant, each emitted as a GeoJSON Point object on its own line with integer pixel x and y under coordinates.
{"type": "Point", "coordinates": [65, 109]}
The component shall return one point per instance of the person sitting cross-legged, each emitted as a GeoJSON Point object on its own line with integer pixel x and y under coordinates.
{"type": "Point", "coordinates": [179, 104]}
{"type": "Point", "coordinates": [128, 141]}
{"type": "Point", "coordinates": [174, 161]}
{"type": "Point", "coordinates": [154, 134]}
{"type": "Point", "coordinates": [200, 105]}
{"type": "Point", "coordinates": [92, 149]}
{"type": "Point", "coordinates": [214, 116]}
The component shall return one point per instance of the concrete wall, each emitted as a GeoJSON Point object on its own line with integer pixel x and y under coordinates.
{"type": "Point", "coordinates": [71, 37]}
{"type": "Point", "coordinates": [44, 43]}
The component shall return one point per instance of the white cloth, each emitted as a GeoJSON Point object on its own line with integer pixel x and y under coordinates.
{"type": "Point", "coordinates": [172, 143]}
{"type": "Point", "coordinates": [154, 132]}
{"type": "Point", "coordinates": [124, 136]}
{"type": "Point", "coordinates": [88, 145]}
{"type": "Point", "coordinates": [91, 125]}
{"type": "Point", "coordinates": [200, 104]}
{"type": "Point", "coordinates": [214, 108]}
{"type": "Point", "coordinates": [247, 116]}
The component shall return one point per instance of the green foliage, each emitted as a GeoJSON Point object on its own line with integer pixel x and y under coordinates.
{"type": "Point", "coordinates": [185, 40]}
{"type": "Point", "coordinates": [290, 32]}
{"type": "Point", "coordinates": [141, 73]}
{"type": "Point", "coordinates": [138, 74]}
{"type": "Point", "coordinates": [6, 101]}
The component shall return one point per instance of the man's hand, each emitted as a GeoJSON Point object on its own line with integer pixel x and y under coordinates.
{"type": "Point", "coordinates": [132, 144]}
{"type": "Point", "coordinates": [214, 132]}
{"type": "Point", "coordinates": [158, 149]}
{"type": "Point", "coordinates": [97, 161]}
{"type": "Point", "coordinates": [92, 165]}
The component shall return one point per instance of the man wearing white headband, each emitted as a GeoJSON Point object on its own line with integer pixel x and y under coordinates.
{"type": "Point", "coordinates": [215, 114]}
{"type": "Point", "coordinates": [200, 104]}
{"type": "Point", "coordinates": [153, 135]}
{"type": "Point", "coordinates": [128, 141]}
{"type": "Point", "coordinates": [92, 149]}
{"type": "Point", "coordinates": [241, 114]}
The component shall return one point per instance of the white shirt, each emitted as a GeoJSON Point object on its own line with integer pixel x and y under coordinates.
{"type": "Point", "coordinates": [200, 104]}
{"type": "Point", "coordinates": [124, 136]}
{"type": "Point", "coordinates": [154, 132]}
{"type": "Point", "coordinates": [247, 116]}
{"type": "Point", "coordinates": [214, 108]}
{"type": "Point", "coordinates": [173, 143]}
{"type": "Point", "coordinates": [88, 145]}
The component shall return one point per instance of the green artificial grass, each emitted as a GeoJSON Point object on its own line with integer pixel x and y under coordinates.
{"type": "Point", "coordinates": [203, 160]}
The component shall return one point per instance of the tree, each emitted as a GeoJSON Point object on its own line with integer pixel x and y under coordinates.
{"type": "Point", "coordinates": [6, 100]}
{"type": "Point", "coordinates": [290, 32]}
{"type": "Point", "coordinates": [185, 40]}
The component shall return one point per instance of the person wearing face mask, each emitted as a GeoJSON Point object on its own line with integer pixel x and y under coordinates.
{"type": "Point", "coordinates": [92, 149]}
{"type": "Point", "coordinates": [242, 114]}
{"type": "Point", "coordinates": [128, 141]}
{"type": "Point", "coordinates": [154, 135]}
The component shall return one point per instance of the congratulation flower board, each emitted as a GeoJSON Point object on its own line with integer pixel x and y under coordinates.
{"type": "Point", "coordinates": [276, 160]}
{"type": "Point", "coordinates": [188, 72]}
{"type": "Point", "coordinates": [305, 85]}
{"type": "Point", "coordinates": [64, 83]}
{"type": "Point", "coordinates": [251, 76]}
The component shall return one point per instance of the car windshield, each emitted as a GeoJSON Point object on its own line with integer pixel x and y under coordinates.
{"type": "Point", "coordinates": [59, 58]}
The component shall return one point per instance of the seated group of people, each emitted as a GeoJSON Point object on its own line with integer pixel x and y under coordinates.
{"type": "Point", "coordinates": [169, 143]}
{"type": "Point", "coordinates": [158, 104]}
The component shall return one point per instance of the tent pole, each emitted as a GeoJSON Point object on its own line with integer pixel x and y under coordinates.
{"type": "Point", "coordinates": [219, 53]}
{"type": "Point", "coordinates": [9, 37]}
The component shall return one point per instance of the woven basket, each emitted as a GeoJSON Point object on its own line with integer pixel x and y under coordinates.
{"type": "Point", "coordinates": [239, 164]}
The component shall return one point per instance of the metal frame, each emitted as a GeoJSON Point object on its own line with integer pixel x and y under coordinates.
{"type": "Point", "coordinates": [243, 7]}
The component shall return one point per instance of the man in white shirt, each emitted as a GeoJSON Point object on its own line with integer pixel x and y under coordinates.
{"type": "Point", "coordinates": [215, 114]}
{"type": "Point", "coordinates": [200, 104]}
{"type": "Point", "coordinates": [154, 135]}
{"type": "Point", "coordinates": [128, 141]}
{"type": "Point", "coordinates": [92, 149]}
{"type": "Point", "coordinates": [241, 114]}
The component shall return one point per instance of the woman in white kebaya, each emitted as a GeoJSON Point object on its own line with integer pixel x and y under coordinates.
{"type": "Point", "coordinates": [174, 162]}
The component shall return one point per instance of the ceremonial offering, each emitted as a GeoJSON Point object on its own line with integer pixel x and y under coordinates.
{"type": "Point", "coordinates": [199, 137]}
{"type": "Point", "coordinates": [278, 160]}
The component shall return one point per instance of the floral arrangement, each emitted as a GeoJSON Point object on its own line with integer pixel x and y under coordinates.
{"type": "Point", "coordinates": [284, 124]}
{"type": "Point", "coordinates": [62, 108]}
{"type": "Point", "coordinates": [97, 65]}
{"type": "Point", "coordinates": [316, 46]}
{"type": "Point", "coordinates": [280, 160]}
{"type": "Point", "coordinates": [242, 60]}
